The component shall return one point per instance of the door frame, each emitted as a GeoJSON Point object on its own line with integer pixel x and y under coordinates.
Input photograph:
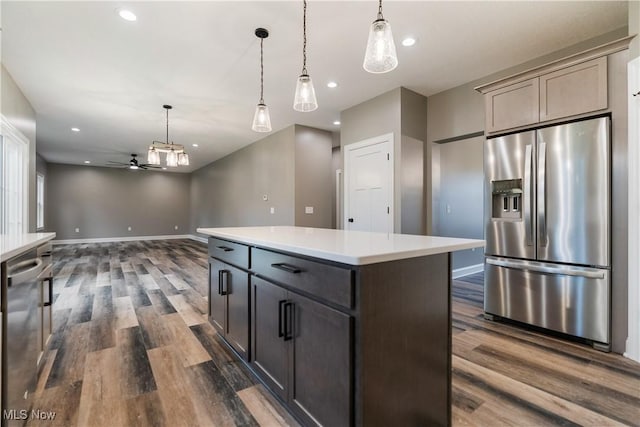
{"type": "Point", "coordinates": [632, 350]}
{"type": "Point", "coordinates": [386, 138]}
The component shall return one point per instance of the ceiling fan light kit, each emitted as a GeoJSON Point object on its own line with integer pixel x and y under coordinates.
{"type": "Point", "coordinates": [380, 56]}
{"type": "Point", "coordinates": [176, 155]}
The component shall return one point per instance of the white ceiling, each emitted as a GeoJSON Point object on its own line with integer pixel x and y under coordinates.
{"type": "Point", "coordinates": [81, 65]}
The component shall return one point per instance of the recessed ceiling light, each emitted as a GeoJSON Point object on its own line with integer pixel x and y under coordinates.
{"type": "Point", "coordinates": [75, 129]}
{"type": "Point", "coordinates": [409, 41]}
{"type": "Point", "coordinates": [87, 161]}
{"type": "Point", "coordinates": [332, 85]}
{"type": "Point", "coordinates": [127, 15]}
{"type": "Point", "coordinates": [337, 122]}
{"type": "Point", "coordinates": [164, 169]}
{"type": "Point", "coordinates": [194, 145]}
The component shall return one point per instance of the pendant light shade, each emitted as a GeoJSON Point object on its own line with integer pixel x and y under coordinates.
{"type": "Point", "coordinates": [261, 119]}
{"type": "Point", "coordinates": [380, 56]}
{"type": "Point", "coordinates": [183, 159]}
{"type": "Point", "coordinates": [305, 97]}
{"type": "Point", "coordinates": [172, 158]}
{"type": "Point", "coordinates": [153, 156]}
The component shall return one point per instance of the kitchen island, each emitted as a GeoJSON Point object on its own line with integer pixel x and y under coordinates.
{"type": "Point", "coordinates": [343, 327]}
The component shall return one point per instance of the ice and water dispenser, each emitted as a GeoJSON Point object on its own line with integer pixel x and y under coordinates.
{"type": "Point", "coordinates": [507, 199]}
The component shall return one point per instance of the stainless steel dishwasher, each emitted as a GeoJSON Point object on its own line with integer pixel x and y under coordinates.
{"type": "Point", "coordinates": [21, 325]}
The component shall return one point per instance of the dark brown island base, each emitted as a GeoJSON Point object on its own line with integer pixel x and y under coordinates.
{"type": "Point", "coordinates": [344, 328]}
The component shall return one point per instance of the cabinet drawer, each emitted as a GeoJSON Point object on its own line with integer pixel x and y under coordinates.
{"type": "Point", "coordinates": [233, 253]}
{"type": "Point", "coordinates": [334, 284]}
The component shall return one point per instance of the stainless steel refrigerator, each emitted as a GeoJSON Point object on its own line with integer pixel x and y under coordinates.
{"type": "Point", "coordinates": [547, 213]}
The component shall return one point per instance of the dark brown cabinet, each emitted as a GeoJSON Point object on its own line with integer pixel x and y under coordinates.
{"type": "Point", "coordinates": [302, 351]}
{"type": "Point", "coordinates": [339, 344]}
{"type": "Point", "coordinates": [229, 304]}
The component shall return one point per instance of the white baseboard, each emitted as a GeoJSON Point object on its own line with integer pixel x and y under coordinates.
{"type": "Point", "coordinates": [198, 238]}
{"type": "Point", "coordinates": [466, 271]}
{"type": "Point", "coordinates": [123, 239]}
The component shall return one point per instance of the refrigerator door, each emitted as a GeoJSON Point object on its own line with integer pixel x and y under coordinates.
{"type": "Point", "coordinates": [574, 193]}
{"type": "Point", "coordinates": [509, 190]}
{"type": "Point", "coordinates": [567, 299]}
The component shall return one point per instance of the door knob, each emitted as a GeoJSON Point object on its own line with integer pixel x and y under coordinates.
{"type": "Point", "coordinates": [350, 219]}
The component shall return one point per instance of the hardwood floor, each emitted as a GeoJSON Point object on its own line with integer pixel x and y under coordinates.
{"type": "Point", "coordinates": [132, 347]}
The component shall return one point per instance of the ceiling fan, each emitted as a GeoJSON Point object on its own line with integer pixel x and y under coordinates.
{"type": "Point", "coordinates": [134, 164]}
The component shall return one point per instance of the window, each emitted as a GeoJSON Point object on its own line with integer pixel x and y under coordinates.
{"type": "Point", "coordinates": [14, 158]}
{"type": "Point", "coordinates": [39, 201]}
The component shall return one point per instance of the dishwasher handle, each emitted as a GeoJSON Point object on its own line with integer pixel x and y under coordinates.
{"type": "Point", "coordinates": [19, 274]}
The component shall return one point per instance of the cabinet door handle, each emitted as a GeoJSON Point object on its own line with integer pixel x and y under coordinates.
{"type": "Point", "coordinates": [288, 321]}
{"type": "Point", "coordinates": [281, 304]}
{"type": "Point", "coordinates": [225, 248]}
{"type": "Point", "coordinates": [286, 267]}
{"type": "Point", "coordinates": [222, 282]}
{"type": "Point", "coordinates": [50, 284]}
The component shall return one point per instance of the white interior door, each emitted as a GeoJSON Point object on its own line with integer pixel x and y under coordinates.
{"type": "Point", "coordinates": [368, 177]}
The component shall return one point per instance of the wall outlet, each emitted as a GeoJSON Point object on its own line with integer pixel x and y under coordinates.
{"type": "Point", "coordinates": [308, 209]}
{"type": "Point", "coordinates": [448, 208]}
{"type": "Point", "coordinates": [129, 228]}
{"type": "Point", "coordinates": [265, 197]}
{"type": "Point", "coordinates": [175, 227]}
{"type": "Point", "coordinates": [272, 210]}
{"type": "Point", "coordinates": [77, 230]}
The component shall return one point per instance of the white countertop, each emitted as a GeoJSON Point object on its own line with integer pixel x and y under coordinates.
{"type": "Point", "coordinates": [348, 247]}
{"type": "Point", "coordinates": [14, 245]}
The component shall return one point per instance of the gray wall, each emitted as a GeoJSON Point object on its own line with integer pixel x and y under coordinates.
{"type": "Point", "coordinates": [403, 113]}
{"type": "Point", "coordinates": [229, 192]}
{"type": "Point", "coordinates": [291, 167]}
{"type": "Point", "coordinates": [634, 28]}
{"type": "Point", "coordinates": [103, 202]}
{"type": "Point", "coordinates": [17, 109]}
{"type": "Point", "coordinates": [313, 180]}
{"type": "Point", "coordinates": [458, 195]}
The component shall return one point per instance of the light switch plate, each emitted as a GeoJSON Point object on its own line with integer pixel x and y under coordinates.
{"type": "Point", "coordinates": [308, 209]}
{"type": "Point", "coordinates": [272, 210]}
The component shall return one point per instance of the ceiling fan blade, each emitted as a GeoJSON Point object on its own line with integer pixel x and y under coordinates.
{"type": "Point", "coordinates": [118, 163]}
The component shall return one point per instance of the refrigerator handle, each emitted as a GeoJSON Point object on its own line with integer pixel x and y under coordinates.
{"type": "Point", "coordinates": [542, 194]}
{"type": "Point", "coordinates": [527, 196]}
{"type": "Point", "coordinates": [549, 269]}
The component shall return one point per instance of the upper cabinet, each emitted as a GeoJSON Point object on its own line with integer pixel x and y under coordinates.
{"type": "Point", "coordinates": [512, 106]}
{"type": "Point", "coordinates": [574, 90]}
{"type": "Point", "coordinates": [566, 88]}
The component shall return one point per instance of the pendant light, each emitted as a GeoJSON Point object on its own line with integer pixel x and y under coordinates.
{"type": "Point", "coordinates": [305, 96]}
{"type": "Point", "coordinates": [380, 56]}
{"type": "Point", "coordinates": [176, 156]}
{"type": "Point", "coordinates": [261, 119]}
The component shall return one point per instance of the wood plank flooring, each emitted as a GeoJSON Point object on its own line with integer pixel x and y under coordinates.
{"type": "Point", "coordinates": [132, 347]}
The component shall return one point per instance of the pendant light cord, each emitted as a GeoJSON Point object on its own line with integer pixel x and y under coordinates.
{"type": "Point", "coordinates": [304, 38]}
{"type": "Point", "coordinates": [261, 73]}
{"type": "Point", "coordinates": [168, 126]}
{"type": "Point", "coordinates": [380, 10]}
